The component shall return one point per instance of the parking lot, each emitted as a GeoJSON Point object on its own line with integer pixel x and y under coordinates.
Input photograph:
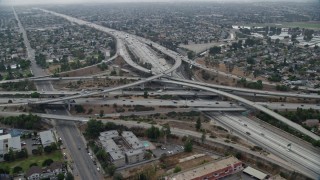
{"type": "Point", "coordinates": [168, 149]}
{"type": "Point", "coordinates": [30, 144]}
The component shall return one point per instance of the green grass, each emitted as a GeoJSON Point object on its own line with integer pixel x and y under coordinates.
{"type": "Point", "coordinates": [25, 163]}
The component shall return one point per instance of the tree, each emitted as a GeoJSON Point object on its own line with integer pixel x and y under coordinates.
{"type": "Point", "coordinates": [203, 136]}
{"type": "Point", "coordinates": [69, 176]}
{"type": "Point", "coordinates": [24, 64]}
{"type": "Point", "coordinates": [153, 133]}
{"type": "Point", "coordinates": [33, 164]}
{"type": "Point", "coordinates": [111, 169]}
{"type": "Point", "coordinates": [117, 176]}
{"type": "Point", "coordinates": [2, 66]}
{"type": "Point", "coordinates": [191, 55]}
{"type": "Point", "coordinates": [35, 95]}
{"type": "Point", "coordinates": [101, 114]}
{"type": "Point", "coordinates": [41, 60]}
{"type": "Point", "coordinates": [198, 124]}
{"type": "Point", "coordinates": [165, 131]}
{"type": "Point", "coordinates": [4, 170]}
{"type": "Point", "coordinates": [47, 162]}
{"type": "Point", "coordinates": [145, 94]}
{"type": "Point", "coordinates": [79, 109]}
{"type": "Point", "coordinates": [94, 128]}
{"type": "Point", "coordinates": [215, 50]}
{"type": "Point", "coordinates": [90, 111]}
{"type": "Point", "coordinates": [17, 170]}
{"type": "Point", "coordinates": [177, 169]}
{"type": "Point", "coordinates": [60, 176]}
{"type": "Point", "coordinates": [48, 149]}
{"type": "Point", "coordinates": [250, 60]}
{"type": "Point", "coordinates": [188, 145]}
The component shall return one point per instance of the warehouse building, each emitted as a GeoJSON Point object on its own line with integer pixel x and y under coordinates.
{"type": "Point", "coordinates": [210, 171]}
{"type": "Point", "coordinates": [46, 138]}
{"type": "Point", "coordinates": [255, 173]}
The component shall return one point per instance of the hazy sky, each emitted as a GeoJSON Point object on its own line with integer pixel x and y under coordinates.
{"type": "Point", "coordinates": [17, 2]}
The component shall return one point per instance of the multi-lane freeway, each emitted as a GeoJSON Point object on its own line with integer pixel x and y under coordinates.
{"type": "Point", "coordinates": [221, 87]}
{"type": "Point", "coordinates": [139, 46]}
{"type": "Point", "coordinates": [252, 105]}
{"type": "Point", "coordinates": [301, 157]}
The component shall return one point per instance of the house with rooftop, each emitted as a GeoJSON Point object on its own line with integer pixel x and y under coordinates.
{"type": "Point", "coordinates": [50, 172]}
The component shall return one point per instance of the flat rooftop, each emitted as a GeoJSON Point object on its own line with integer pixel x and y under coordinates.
{"type": "Point", "coordinates": [109, 134]}
{"type": "Point", "coordinates": [116, 155]}
{"type": "Point", "coordinates": [14, 143]}
{"type": "Point", "coordinates": [134, 152]}
{"type": "Point", "coordinates": [205, 169]}
{"type": "Point", "coordinates": [255, 173]}
{"type": "Point", "coordinates": [132, 140]}
{"type": "Point", "coordinates": [46, 137]}
{"type": "Point", "coordinates": [109, 145]}
{"type": "Point", "coordinates": [6, 136]}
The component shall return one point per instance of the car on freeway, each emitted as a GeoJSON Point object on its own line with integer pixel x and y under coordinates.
{"type": "Point", "coordinates": [248, 133]}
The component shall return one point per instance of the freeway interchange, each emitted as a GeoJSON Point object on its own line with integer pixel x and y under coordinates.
{"type": "Point", "coordinates": [305, 160]}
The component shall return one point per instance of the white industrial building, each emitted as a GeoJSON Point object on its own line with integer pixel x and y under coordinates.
{"type": "Point", "coordinates": [7, 142]}
{"type": "Point", "coordinates": [47, 138]}
{"type": "Point", "coordinates": [14, 143]}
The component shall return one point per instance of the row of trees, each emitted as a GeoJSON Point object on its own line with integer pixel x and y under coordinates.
{"type": "Point", "coordinates": [94, 127]}
{"type": "Point", "coordinates": [18, 86]}
{"type": "Point", "coordinates": [251, 85]}
{"type": "Point", "coordinates": [22, 121]}
{"type": "Point", "coordinates": [41, 60]}
{"type": "Point", "coordinates": [103, 158]}
{"type": "Point", "coordinates": [14, 155]}
{"type": "Point", "coordinates": [21, 64]}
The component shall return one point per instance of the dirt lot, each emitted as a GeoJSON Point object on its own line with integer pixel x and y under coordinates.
{"type": "Point", "coordinates": [89, 84]}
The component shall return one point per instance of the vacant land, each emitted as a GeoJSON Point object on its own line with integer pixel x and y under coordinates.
{"type": "Point", "coordinates": [198, 48]}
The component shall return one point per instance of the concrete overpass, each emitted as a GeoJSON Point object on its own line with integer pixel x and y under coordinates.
{"type": "Point", "coordinates": [245, 90]}
{"type": "Point", "coordinates": [252, 105]}
{"type": "Point", "coordinates": [221, 87]}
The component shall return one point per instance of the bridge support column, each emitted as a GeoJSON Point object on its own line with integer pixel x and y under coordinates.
{"type": "Point", "coordinates": [143, 86]}
{"type": "Point", "coordinates": [69, 105]}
